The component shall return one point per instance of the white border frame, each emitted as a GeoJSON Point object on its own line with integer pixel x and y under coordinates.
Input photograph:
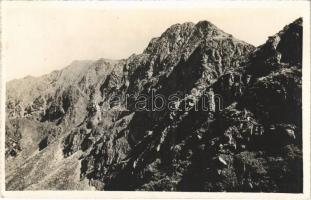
{"type": "Point", "coordinates": [305, 13]}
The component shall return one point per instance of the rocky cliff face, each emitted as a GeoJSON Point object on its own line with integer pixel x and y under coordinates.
{"type": "Point", "coordinates": [77, 123]}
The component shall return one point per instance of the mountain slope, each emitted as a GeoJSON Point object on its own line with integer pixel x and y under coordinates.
{"type": "Point", "coordinates": [79, 116]}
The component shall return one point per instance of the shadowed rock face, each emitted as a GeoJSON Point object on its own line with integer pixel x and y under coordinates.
{"type": "Point", "coordinates": [248, 140]}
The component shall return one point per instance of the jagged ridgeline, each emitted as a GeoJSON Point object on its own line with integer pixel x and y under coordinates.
{"type": "Point", "coordinates": [72, 130]}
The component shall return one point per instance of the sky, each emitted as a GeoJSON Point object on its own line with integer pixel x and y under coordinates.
{"type": "Point", "coordinates": [39, 37]}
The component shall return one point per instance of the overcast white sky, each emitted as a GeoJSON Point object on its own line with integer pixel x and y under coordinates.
{"type": "Point", "coordinates": [39, 37]}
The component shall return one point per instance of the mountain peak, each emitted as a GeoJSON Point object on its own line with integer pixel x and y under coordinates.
{"type": "Point", "coordinates": [180, 26]}
{"type": "Point", "coordinates": [282, 47]}
{"type": "Point", "coordinates": [178, 34]}
{"type": "Point", "coordinates": [205, 24]}
{"type": "Point", "coordinates": [298, 21]}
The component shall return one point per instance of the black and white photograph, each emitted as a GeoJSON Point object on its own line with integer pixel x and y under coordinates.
{"type": "Point", "coordinates": [195, 98]}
